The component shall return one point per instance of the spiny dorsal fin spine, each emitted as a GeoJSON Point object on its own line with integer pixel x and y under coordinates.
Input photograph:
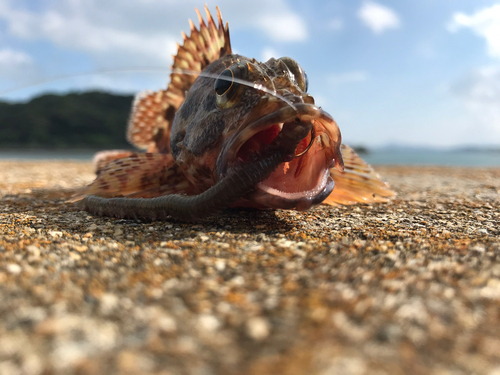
{"type": "Point", "coordinates": [205, 45]}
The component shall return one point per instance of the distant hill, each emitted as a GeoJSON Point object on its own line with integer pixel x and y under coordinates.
{"type": "Point", "coordinates": [87, 120]}
{"type": "Point", "coordinates": [98, 120]}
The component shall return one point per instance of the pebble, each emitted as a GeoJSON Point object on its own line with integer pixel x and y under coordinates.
{"type": "Point", "coordinates": [167, 324]}
{"type": "Point", "coordinates": [14, 269]}
{"type": "Point", "coordinates": [55, 233]}
{"type": "Point", "coordinates": [480, 248]}
{"type": "Point", "coordinates": [34, 251]}
{"type": "Point", "coordinates": [257, 328]}
{"type": "Point", "coordinates": [208, 323]}
{"type": "Point", "coordinates": [203, 238]}
{"type": "Point", "coordinates": [108, 303]}
{"type": "Point", "coordinates": [220, 265]}
{"type": "Point", "coordinates": [350, 290]}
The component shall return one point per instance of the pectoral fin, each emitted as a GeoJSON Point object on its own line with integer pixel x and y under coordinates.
{"type": "Point", "coordinates": [103, 158]}
{"type": "Point", "coordinates": [359, 183]}
{"type": "Point", "coordinates": [142, 175]}
{"type": "Point", "coordinates": [151, 119]}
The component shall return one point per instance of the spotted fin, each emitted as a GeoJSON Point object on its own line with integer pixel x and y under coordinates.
{"type": "Point", "coordinates": [359, 183]}
{"type": "Point", "coordinates": [143, 175]}
{"type": "Point", "coordinates": [103, 158]}
{"type": "Point", "coordinates": [153, 112]}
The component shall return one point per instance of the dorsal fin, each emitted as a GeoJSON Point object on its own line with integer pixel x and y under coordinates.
{"type": "Point", "coordinates": [153, 112]}
{"type": "Point", "coordinates": [359, 183]}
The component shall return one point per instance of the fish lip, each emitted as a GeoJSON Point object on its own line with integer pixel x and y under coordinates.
{"type": "Point", "coordinates": [303, 111]}
{"type": "Point", "coordinates": [300, 203]}
{"type": "Point", "coordinates": [266, 196]}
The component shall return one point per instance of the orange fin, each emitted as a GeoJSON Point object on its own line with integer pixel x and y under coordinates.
{"type": "Point", "coordinates": [139, 175]}
{"type": "Point", "coordinates": [103, 158]}
{"type": "Point", "coordinates": [359, 183]}
{"type": "Point", "coordinates": [153, 112]}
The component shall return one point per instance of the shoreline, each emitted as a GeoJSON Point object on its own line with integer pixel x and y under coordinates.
{"type": "Point", "coordinates": [386, 157]}
{"type": "Point", "coordinates": [407, 287]}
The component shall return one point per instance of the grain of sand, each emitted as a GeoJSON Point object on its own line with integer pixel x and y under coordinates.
{"type": "Point", "coordinates": [408, 287]}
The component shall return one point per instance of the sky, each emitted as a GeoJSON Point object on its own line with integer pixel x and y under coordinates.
{"type": "Point", "coordinates": [413, 73]}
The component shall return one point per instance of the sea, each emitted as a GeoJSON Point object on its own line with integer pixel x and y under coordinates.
{"type": "Point", "coordinates": [425, 157]}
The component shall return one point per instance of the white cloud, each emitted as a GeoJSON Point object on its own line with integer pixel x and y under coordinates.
{"type": "Point", "coordinates": [347, 77]}
{"type": "Point", "coordinates": [480, 93]}
{"type": "Point", "coordinates": [485, 23]}
{"type": "Point", "coordinates": [284, 27]}
{"type": "Point", "coordinates": [378, 18]}
{"type": "Point", "coordinates": [10, 58]}
{"type": "Point", "coordinates": [15, 66]}
{"type": "Point", "coordinates": [138, 29]}
{"type": "Point", "coordinates": [75, 27]}
{"type": "Point", "coordinates": [269, 52]}
{"type": "Point", "coordinates": [133, 33]}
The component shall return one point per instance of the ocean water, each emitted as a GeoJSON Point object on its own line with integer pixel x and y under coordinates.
{"type": "Point", "coordinates": [434, 157]}
{"type": "Point", "coordinates": [79, 155]}
{"type": "Point", "coordinates": [375, 157]}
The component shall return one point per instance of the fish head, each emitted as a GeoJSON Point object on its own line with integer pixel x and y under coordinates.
{"type": "Point", "coordinates": [235, 109]}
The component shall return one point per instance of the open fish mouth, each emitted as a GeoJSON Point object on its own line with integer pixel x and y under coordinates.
{"type": "Point", "coordinates": [305, 179]}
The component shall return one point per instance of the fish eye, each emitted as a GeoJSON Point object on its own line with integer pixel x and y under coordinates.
{"type": "Point", "coordinates": [227, 83]}
{"type": "Point", "coordinates": [224, 82]}
{"type": "Point", "coordinates": [297, 71]}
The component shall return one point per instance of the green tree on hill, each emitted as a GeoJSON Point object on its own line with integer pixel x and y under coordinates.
{"type": "Point", "coordinates": [87, 120]}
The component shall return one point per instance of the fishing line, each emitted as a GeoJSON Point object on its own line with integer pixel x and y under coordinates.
{"type": "Point", "coordinates": [154, 70]}
{"type": "Point", "coordinates": [255, 86]}
{"type": "Point", "coordinates": [81, 75]}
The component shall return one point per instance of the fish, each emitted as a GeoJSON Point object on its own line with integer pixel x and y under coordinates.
{"type": "Point", "coordinates": [228, 131]}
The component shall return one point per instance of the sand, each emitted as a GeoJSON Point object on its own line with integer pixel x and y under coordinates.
{"type": "Point", "coordinates": [408, 287]}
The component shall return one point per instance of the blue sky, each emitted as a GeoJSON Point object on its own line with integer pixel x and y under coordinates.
{"type": "Point", "coordinates": [416, 72]}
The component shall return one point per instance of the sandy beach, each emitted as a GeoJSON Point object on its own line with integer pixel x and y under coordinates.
{"type": "Point", "coordinates": [407, 287]}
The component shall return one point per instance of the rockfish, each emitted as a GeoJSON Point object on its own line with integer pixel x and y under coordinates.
{"type": "Point", "coordinates": [229, 131]}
